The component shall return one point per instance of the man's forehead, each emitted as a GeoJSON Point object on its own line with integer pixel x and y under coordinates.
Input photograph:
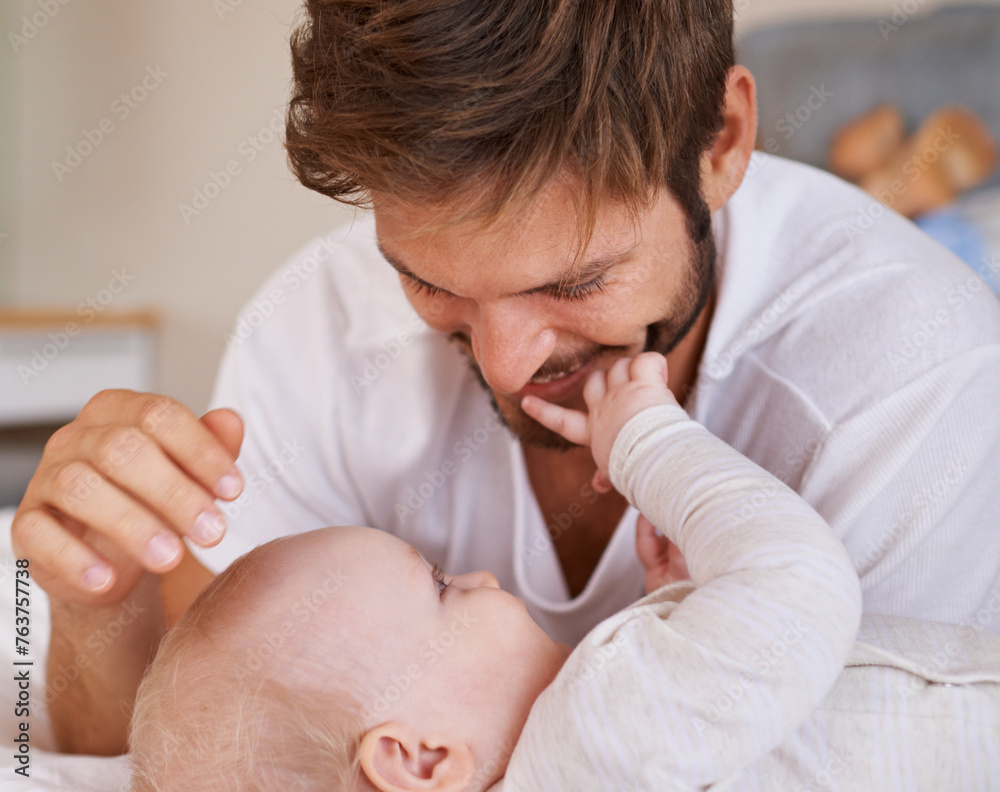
{"type": "Point", "coordinates": [547, 255]}
{"type": "Point", "coordinates": [549, 223]}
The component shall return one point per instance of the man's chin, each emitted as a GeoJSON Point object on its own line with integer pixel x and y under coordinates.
{"type": "Point", "coordinates": [526, 428]}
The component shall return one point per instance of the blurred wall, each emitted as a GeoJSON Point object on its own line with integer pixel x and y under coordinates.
{"type": "Point", "coordinates": [130, 115]}
{"type": "Point", "coordinates": [119, 123]}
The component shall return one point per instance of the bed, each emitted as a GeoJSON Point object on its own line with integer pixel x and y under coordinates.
{"type": "Point", "coordinates": [855, 65]}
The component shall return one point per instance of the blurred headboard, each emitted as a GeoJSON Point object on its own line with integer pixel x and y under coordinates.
{"type": "Point", "coordinates": [813, 77]}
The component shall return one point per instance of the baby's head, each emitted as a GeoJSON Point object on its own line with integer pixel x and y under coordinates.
{"type": "Point", "coordinates": [336, 660]}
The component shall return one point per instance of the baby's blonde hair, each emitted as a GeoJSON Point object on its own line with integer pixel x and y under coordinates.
{"type": "Point", "coordinates": [215, 714]}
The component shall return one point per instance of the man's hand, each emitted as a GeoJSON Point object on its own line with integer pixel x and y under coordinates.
{"type": "Point", "coordinates": [117, 489]}
{"type": "Point", "coordinates": [613, 397]}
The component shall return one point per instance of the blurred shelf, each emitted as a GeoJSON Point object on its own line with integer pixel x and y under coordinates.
{"type": "Point", "coordinates": [52, 362]}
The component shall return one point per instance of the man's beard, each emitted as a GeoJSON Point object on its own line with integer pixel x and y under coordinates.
{"type": "Point", "coordinates": [662, 336]}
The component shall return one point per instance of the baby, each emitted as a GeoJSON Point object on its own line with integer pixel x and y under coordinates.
{"type": "Point", "coordinates": [342, 659]}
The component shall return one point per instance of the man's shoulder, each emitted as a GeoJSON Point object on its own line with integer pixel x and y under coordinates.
{"type": "Point", "coordinates": [844, 316]}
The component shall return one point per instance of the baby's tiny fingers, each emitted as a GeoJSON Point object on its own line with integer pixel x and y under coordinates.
{"type": "Point", "coordinates": [649, 367]}
{"type": "Point", "coordinates": [651, 545]}
{"type": "Point", "coordinates": [601, 483]}
{"type": "Point", "coordinates": [595, 387]}
{"type": "Point", "coordinates": [618, 373]}
{"type": "Point", "coordinates": [571, 424]}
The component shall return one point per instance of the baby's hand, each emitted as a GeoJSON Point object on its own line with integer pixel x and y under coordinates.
{"type": "Point", "coordinates": [660, 558]}
{"type": "Point", "coordinates": [613, 397]}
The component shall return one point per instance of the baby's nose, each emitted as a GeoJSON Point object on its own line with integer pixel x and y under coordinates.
{"type": "Point", "coordinates": [481, 579]}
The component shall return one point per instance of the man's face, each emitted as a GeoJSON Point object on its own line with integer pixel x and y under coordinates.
{"type": "Point", "coordinates": [529, 320]}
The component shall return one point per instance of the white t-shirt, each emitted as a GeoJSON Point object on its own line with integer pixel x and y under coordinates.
{"type": "Point", "coordinates": [849, 354]}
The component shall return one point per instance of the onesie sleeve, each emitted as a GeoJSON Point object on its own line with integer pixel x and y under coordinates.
{"type": "Point", "coordinates": [680, 696]}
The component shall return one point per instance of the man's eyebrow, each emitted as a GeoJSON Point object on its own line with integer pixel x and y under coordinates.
{"type": "Point", "coordinates": [402, 269]}
{"type": "Point", "coordinates": [587, 271]}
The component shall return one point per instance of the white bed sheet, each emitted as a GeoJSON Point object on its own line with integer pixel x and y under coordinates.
{"type": "Point", "coordinates": [49, 771]}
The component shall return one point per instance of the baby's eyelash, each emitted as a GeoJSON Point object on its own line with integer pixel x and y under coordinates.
{"type": "Point", "coordinates": [438, 575]}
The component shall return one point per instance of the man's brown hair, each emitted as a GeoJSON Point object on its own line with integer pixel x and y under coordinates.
{"type": "Point", "coordinates": [484, 101]}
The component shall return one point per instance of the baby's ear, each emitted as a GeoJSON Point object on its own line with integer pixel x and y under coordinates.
{"type": "Point", "coordinates": [397, 760]}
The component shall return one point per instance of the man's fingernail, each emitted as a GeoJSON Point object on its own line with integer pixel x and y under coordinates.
{"type": "Point", "coordinates": [208, 526]}
{"type": "Point", "coordinates": [230, 485]}
{"type": "Point", "coordinates": [97, 576]}
{"type": "Point", "coordinates": [162, 549]}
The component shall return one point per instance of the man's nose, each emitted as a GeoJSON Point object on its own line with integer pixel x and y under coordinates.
{"type": "Point", "coordinates": [510, 344]}
{"type": "Point", "coordinates": [472, 580]}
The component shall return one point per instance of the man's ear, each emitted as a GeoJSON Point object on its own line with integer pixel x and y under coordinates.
{"type": "Point", "coordinates": [396, 760]}
{"type": "Point", "coordinates": [725, 163]}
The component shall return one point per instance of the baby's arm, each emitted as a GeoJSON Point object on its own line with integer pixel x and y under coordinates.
{"type": "Point", "coordinates": [684, 696]}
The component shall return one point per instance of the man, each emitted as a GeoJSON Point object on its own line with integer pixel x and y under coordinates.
{"type": "Point", "coordinates": [556, 185]}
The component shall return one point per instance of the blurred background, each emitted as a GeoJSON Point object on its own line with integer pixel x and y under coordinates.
{"type": "Point", "coordinates": [144, 194]}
